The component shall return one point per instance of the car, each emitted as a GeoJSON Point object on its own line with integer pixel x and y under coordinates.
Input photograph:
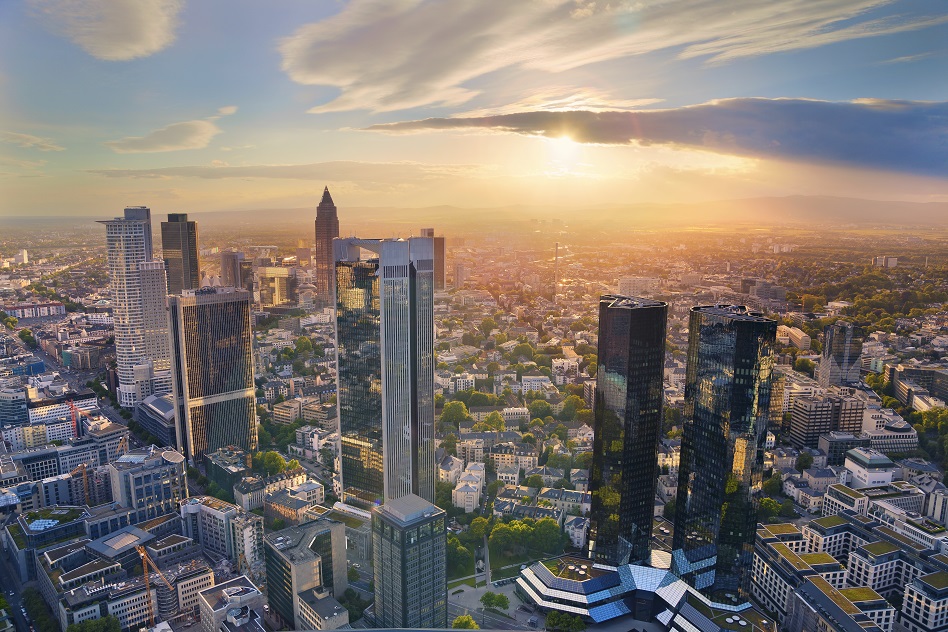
{"type": "Point", "coordinates": [532, 622]}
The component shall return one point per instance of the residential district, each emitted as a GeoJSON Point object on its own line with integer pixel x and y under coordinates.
{"type": "Point", "coordinates": [495, 432]}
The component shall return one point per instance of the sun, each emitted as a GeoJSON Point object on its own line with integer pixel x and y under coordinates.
{"type": "Point", "coordinates": [563, 153]}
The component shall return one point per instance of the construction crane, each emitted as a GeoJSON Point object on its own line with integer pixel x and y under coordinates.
{"type": "Point", "coordinates": [122, 446]}
{"type": "Point", "coordinates": [75, 418]}
{"type": "Point", "coordinates": [85, 480]}
{"type": "Point", "coordinates": [146, 562]}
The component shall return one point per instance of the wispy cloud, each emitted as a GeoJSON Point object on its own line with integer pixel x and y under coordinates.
{"type": "Point", "coordinates": [335, 171]}
{"type": "Point", "coordinates": [195, 134]}
{"type": "Point", "coordinates": [384, 55]}
{"type": "Point", "coordinates": [906, 136]}
{"type": "Point", "coordinates": [563, 100]}
{"type": "Point", "coordinates": [28, 141]}
{"type": "Point", "coordinates": [113, 30]}
{"type": "Point", "coordinates": [908, 58]}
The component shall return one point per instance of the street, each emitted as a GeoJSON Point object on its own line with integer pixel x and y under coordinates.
{"type": "Point", "coordinates": [11, 582]}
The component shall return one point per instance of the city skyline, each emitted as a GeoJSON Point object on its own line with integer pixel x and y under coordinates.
{"type": "Point", "coordinates": [558, 103]}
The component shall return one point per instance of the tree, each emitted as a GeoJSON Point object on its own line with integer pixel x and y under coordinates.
{"type": "Point", "coordinates": [495, 601]}
{"type": "Point", "coordinates": [804, 461]}
{"type": "Point", "coordinates": [273, 463]}
{"type": "Point", "coordinates": [454, 413]}
{"type": "Point", "coordinates": [292, 464]}
{"type": "Point", "coordinates": [487, 325]}
{"type": "Point", "coordinates": [27, 337]}
{"type": "Point", "coordinates": [547, 536]}
{"type": "Point", "coordinates": [327, 458]}
{"type": "Point", "coordinates": [450, 444]}
{"type": "Point", "coordinates": [304, 344]}
{"type": "Point", "coordinates": [540, 408]}
{"type": "Point", "coordinates": [535, 481]}
{"type": "Point", "coordinates": [787, 510]}
{"type": "Point", "coordinates": [773, 485]}
{"type": "Point", "coordinates": [353, 575]}
{"type": "Point", "coordinates": [768, 509]}
{"type": "Point", "coordinates": [465, 622]}
{"type": "Point", "coordinates": [478, 528]}
{"type": "Point", "coordinates": [571, 405]}
{"type": "Point", "coordinates": [493, 488]}
{"type": "Point", "coordinates": [803, 365]}
{"type": "Point", "coordinates": [561, 432]}
{"type": "Point", "coordinates": [494, 421]}
{"type": "Point", "coordinates": [668, 512]}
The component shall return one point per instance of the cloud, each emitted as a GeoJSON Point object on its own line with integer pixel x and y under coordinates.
{"type": "Point", "coordinates": [383, 55]}
{"type": "Point", "coordinates": [908, 58]}
{"type": "Point", "coordinates": [227, 110]}
{"type": "Point", "coordinates": [28, 141]}
{"type": "Point", "coordinates": [336, 171]}
{"type": "Point", "coordinates": [905, 136]}
{"type": "Point", "coordinates": [113, 30]}
{"type": "Point", "coordinates": [562, 100]}
{"type": "Point", "coordinates": [175, 137]}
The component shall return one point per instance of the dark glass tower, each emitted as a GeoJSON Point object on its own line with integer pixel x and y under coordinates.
{"type": "Point", "coordinates": [628, 421]}
{"type": "Point", "coordinates": [439, 262]}
{"type": "Point", "coordinates": [327, 229]}
{"type": "Point", "coordinates": [212, 367]}
{"type": "Point", "coordinates": [410, 564]}
{"type": "Point", "coordinates": [842, 351]}
{"type": "Point", "coordinates": [727, 398]}
{"type": "Point", "coordinates": [179, 239]}
{"type": "Point", "coordinates": [385, 346]}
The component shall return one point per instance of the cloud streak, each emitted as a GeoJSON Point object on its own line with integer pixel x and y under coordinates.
{"type": "Point", "coordinates": [195, 134]}
{"type": "Point", "coordinates": [113, 30]}
{"type": "Point", "coordinates": [905, 136]}
{"type": "Point", "coordinates": [335, 171]}
{"type": "Point", "coordinates": [384, 55]}
{"type": "Point", "coordinates": [28, 141]}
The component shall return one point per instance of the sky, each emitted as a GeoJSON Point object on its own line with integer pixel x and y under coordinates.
{"type": "Point", "coordinates": [216, 105]}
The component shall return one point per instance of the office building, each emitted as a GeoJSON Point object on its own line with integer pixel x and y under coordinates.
{"type": "Point", "coordinates": [842, 354]}
{"type": "Point", "coordinates": [727, 400]}
{"type": "Point", "coordinates": [213, 384]}
{"type": "Point", "coordinates": [385, 360]}
{"type": "Point", "coordinates": [179, 249]}
{"type": "Point", "coordinates": [811, 417]}
{"type": "Point", "coordinates": [236, 271]}
{"type": "Point", "coordinates": [439, 258]}
{"type": "Point", "coordinates": [409, 547]}
{"type": "Point", "coordinates": [138, 286]}
{"type": "Point", "coordinates": [150, 481]}
{"type": "Point", "coordinates": [327, 229]}
{"type": "Point", "coordinates": [225, 529]}
{"type": "Point", "coordinates": [302, 559]}
{"type": "Point", "coordinates": [835, 445]}
{"type": "Point", "coordinates": [277, 286]}
{"type": "Point", "coordinates": [627, 427]}
{"type": "Point", "coordinates": [232, 606]}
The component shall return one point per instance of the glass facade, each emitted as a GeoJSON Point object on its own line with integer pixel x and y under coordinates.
{"type": "Point", "coordinates": [727, 399]}
{"type": "Point", "coordinates": [385, 346]}
{"type": "Point", "coordinates": [213, 381]}
{"type": "Point", "coordinates": [628, 421]}
{"type": "Point", "coordinates": [410, 566]}
{"type": "Point", "coordinates": [179, 239]}
{"type": "Point", "coordinates": [842, 351]}
{"type": "Point", "coordinates": [327, 229]}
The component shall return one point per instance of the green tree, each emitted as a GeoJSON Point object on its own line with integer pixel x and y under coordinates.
{"type": "Point", "coordinates": [487, 325]}
{"type": "Point", "coordinates": [571, 405]}
{"type": "Point", "coordinates": [804, 461]}
{"type": "Point", "coordinates": [478, 528]}
{"type": "Point", "coordinates": [353, 575]}
{"type": "Point", "coordinates": [535, 481]}
{"type": "Point", "coordinates": [304, 344]}
{"type": "Point", "coordinates": [547, 536]}
{"type": "Point", "coordinates": [454, 413]}
{"type": "Point", "coordinates": [465, 622]}
{"type": "Point", "coordinates": [773, 486]}
{"type": "Point", "coordinates": [292, 464]}
{"type": "Point", "coordinates": [803, 365]}
{"type": "Point", "coordinates": [450, 444]}
{"type": "Point", "coordinates": [494, 421]}
{"type": "Point", "coordinates": [787, 510]}
{"type": "Point", "coordinates": [523, 350]}
{"type": "Point", "coordinates": [495, 601]}
{"type": "Point", "coordinates": [273, 463]}
{"type": "Point", "coordinates": [668, 511]}
{"type": "Point", "coordinates": [540, 408]}
{"type": "Point", "coordinates": [768, 509]}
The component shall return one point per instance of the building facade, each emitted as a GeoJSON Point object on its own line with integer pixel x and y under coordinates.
{"type": "Point", "coordinates": [179, 249]}
{"type": "Point", "coordinates": [327, 229]}
{"type": "Point", "coordinates": [842, 351]}
{"type": "Point", "coordinates": [385, 359]}
{"type": "Point", "coordinates": [409, 541]}
{"type": "Point", "coordinates": [628, 422]}
{"type": "Point", "coordinates": [727, 401]}
{"type": "Point", "coordinates": [213, 385]}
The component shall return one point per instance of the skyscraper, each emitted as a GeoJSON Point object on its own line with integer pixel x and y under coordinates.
{"type": "Point", "coordinates": [727, 398]}
{"type": "Point", "coordinates": [385, 360]}
{"type": "Point", "coordinates": [842, 350]}
{"type": "Point", "coordinates": [230, 268]}
{"type": "Point", "coordinates": [327, 229]}
{"type": "Point", "coordinates": [628, 422]}
{"type": "Point", "coordinates": [137, 292]}
{"type": "Point", "coordinates": [409, 551]}
{"type": "Point", "coordinates": [213, 385]}
{"type": "Point", "coordinates": [179, 239]}
{"type": "Point", "coordinates": [439, 262]}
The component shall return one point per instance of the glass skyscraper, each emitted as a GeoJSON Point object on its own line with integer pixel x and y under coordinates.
{"type": "Point", "coordinates": [327, 229]}
{"type": "Point", "coordinates": [409, 551]}
{"type": "Point", "coordinates": [727, 398]}
{"type": "Point", "coordinates": [385, 346]}
{"type": "Point", "coordinates": [212, 367]}
{"type": "Point", "coordinates": [179, 239]}
{"type": "Point", "coordinates": [628, 421]}
{"type": "Point", "coordinates": [842, 352]}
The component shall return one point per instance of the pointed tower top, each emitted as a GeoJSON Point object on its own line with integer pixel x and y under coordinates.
{"type": "Point", "coordinates": [327, 199]}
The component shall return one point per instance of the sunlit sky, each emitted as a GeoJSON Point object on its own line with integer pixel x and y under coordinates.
{"type": "Point", "coordinates": [214, 105]}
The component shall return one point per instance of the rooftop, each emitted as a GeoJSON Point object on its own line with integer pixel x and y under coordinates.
{"type": "Point", "coordinates": [830, 521]}
{"type": "Point", "coordinates": [575, 568]}
{"type": "Point", "coordinates": [881, 548]}
{"type": "Point", "coordinates": [938, 581]}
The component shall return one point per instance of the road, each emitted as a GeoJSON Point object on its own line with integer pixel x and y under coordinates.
{"type": "Point", "coordinates": [487, 620]}
{"type": "Point", "coordinates": [487, 560]}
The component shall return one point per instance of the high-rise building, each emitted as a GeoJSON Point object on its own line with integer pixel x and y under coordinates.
{"type": "Point", "coordinates": [327, 229]}
{"type": "Point", "coordinates": [727, 401]}
{"type": "Point", "coordinates": [236, 270]}
{"type": "Point", "coordinates": [300, 559]}
{"type": "Point", "coordinates": [179, 248]}
{"type": "Point", "coordinates": [150, 481]}
{"type": "Point", "coordinates": [409, 550]}
{"type": "Point", "coordinates": [278, 286]}
{"type": "Point", "coordinates": [213, 382]}
{"type": "Point", "coordinates": [628, 422]}
{"type": "Point", "coordinates": [385, 360]}
{"type": "Point", "coordinates": [135, 294]}
{"type": "Point", "coordinates": [439, 262]}
{"type": "Point", "coordinates": [812, 417]}
{"type": "Point", "coordinates": [842, 352]}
